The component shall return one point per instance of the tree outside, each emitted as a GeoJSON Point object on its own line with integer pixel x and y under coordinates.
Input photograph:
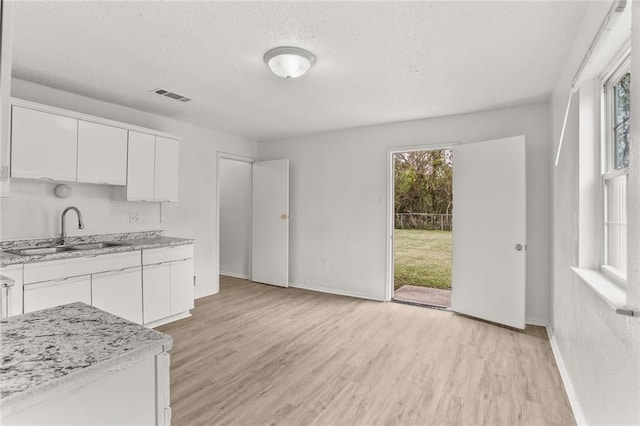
{"type": "Point", "coordinates": [423, 181]}
{"type": "Point", "coordinates": [423, 184]}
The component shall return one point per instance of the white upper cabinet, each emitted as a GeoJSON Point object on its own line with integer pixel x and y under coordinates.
{"type": "Point", "coordinates": [166, 169]}
{"type": "Point", "coordinates": [152, 171]}
{"type": "Point", "coordinates": [54, 144]}
{"type": "Point", "coordinates": [43, 145]}
{"type": "Point", "coordinates": [102, 154]}
{"type": "Point", "coordinates": [141, 169]}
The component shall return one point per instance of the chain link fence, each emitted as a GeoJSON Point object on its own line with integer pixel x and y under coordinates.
{"type": "Point", "coordinates": [427, 221]}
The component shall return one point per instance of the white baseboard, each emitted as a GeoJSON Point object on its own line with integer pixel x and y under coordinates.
{"type": "Point", "coordinates": [167, 320]}
{"type": "Point", "coordinates": [335, 291]}
{"type": "Point", "coordinates": [209, 293]}
{"type": "Point", "coordinates": [234, 275]}
{"type": "Point", "coordinates": [566, 380]}
{"type": "Point", "coordinates": [537, 322]}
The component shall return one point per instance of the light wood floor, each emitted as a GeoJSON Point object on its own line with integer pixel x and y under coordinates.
{"type": "Point", "coordinates": [256, 354]}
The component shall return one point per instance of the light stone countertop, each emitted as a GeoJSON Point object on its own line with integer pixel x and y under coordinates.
{"type": "Point", "coordinates": [54, 350]}
{"type": "Point", "coordinates": [129, 242]}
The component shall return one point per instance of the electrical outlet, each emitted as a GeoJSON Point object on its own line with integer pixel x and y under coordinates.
{"type": "Point", "coordinates": [134, 217]}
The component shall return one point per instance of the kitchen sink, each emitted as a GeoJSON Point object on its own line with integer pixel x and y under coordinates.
{"type": "Point", "coordinates": [29, 251]}
{"type": "Point", "coordinates": [39, 250]}
{"type": "Point", "coordinates": [93, 246]}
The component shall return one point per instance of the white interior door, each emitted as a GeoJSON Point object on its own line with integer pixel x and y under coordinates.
{"type": "Point", "coordinates": [270, 228]}
{"type": "Point", "coordinates": [489, 231]}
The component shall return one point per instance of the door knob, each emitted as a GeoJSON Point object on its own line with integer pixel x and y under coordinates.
{"type": "Point", "coordinates": [519, 247]}
{"type": "Point", "coordinates": [283, 216]}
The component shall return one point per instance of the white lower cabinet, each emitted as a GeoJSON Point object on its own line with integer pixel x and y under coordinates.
{"type": "Point", "coordinates": [156, 286]}
{"type": "Point", "coordinates": [13, 293]}
{"type": "Point", "coordinates": [119, 292]}
{"type": "Point", "coordinates": [167, 283]}
{"type": "Point", "coordinates": [47, 294]}
{"type": "Point", "coordinates": [154, 291]}
{"type": "Point", "coordinates": [133, 393]}
{"type": "Point", "coordinates": [181, 286]}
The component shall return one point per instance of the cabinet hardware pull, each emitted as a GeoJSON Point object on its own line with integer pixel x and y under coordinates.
{"type": "Point", "coordinates": [46, 178]}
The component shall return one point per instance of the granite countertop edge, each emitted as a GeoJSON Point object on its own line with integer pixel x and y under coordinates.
{"type": "Point", "coordinates": [8, 259]}
{"type": "Point", "coordinates": [61, 385]}
{"type": "Point", "coordinates": [116, 354]}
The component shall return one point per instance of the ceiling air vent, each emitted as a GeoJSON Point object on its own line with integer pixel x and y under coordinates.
{"type": "Point", "coordinates": [172, 95]}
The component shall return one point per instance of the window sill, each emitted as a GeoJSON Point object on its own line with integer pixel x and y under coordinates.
{"type": "Point", "coordinates": [607, 289]}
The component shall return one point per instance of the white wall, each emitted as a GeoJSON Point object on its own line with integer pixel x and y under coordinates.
{"type": "Point", "coordinates": [338, 197]}
{"type": "Point", "coordinates": [32, 211]}
{"type": "Point", "coordinates": [235, 217]}
{"type": "Point", "coordinates": [599, 349]}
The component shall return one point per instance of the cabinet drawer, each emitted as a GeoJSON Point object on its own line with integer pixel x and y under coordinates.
{"type": "Point", "coordinates": [167, 254]}
{"type": "Point", "coordinates": [56, 269]}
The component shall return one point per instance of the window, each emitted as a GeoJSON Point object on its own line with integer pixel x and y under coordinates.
{"type": "Point", "coordinates": [616, 107]}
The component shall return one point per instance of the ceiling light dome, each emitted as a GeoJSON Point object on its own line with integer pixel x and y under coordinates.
{"type": "Point", "coordinates": [289, 62]}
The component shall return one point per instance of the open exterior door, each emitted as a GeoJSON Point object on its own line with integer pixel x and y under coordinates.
{"type": "Point", "coordinates": [489, 231]}
{"type": "Point", "coordinates": [270, 234]}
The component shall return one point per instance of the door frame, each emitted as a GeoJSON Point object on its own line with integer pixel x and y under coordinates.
{"type": "Point", "coordinates": [233, 157]}
{"type": "Point", "coordinates": [389, 279]}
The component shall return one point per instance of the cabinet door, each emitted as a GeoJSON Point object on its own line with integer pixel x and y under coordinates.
{"type": "Point", "coordinates": [102, 154]}
{"type": "Point", "coordinates": [156, 292]}
{"type": "Point", "coordinates": [181, 286]}
{"type": "Point", "coordinates": [166, 169]}
{"type": "Point", "coordinates": [15, 292]}
{"type": "Point", "coordinates": [119, 293]}
{"type": "Point", "coordinates": [6, 47]}
{"type": "Point", "coordinates": [140, 168]}
{"type": "Point", "coordinates": [43, 145]}
{"type": "Point", "coordinates": [54, 293]}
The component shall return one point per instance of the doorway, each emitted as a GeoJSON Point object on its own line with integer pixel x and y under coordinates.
{"type": "Point", "coordinates": [253, 219]}
{"type": "Point", "coordinates": [235, 188]}
{"type": "Point", "coordinates": [422, 226]}
{"type": "Point", "coordinates": [488, 272]}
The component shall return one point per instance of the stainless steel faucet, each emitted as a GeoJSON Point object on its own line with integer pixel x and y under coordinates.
{"type": "Point", "coordinates": [63, 234]}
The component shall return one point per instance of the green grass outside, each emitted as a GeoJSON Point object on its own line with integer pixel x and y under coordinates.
{"type": "Point", "coordinates": [422, 258]}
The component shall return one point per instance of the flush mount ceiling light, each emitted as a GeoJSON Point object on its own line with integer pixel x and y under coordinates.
{"type": "Point", "coordinates": [289, 62]}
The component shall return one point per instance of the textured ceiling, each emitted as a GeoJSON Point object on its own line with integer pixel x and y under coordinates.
{"type": "Point", "coordinates": [377, 62]}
